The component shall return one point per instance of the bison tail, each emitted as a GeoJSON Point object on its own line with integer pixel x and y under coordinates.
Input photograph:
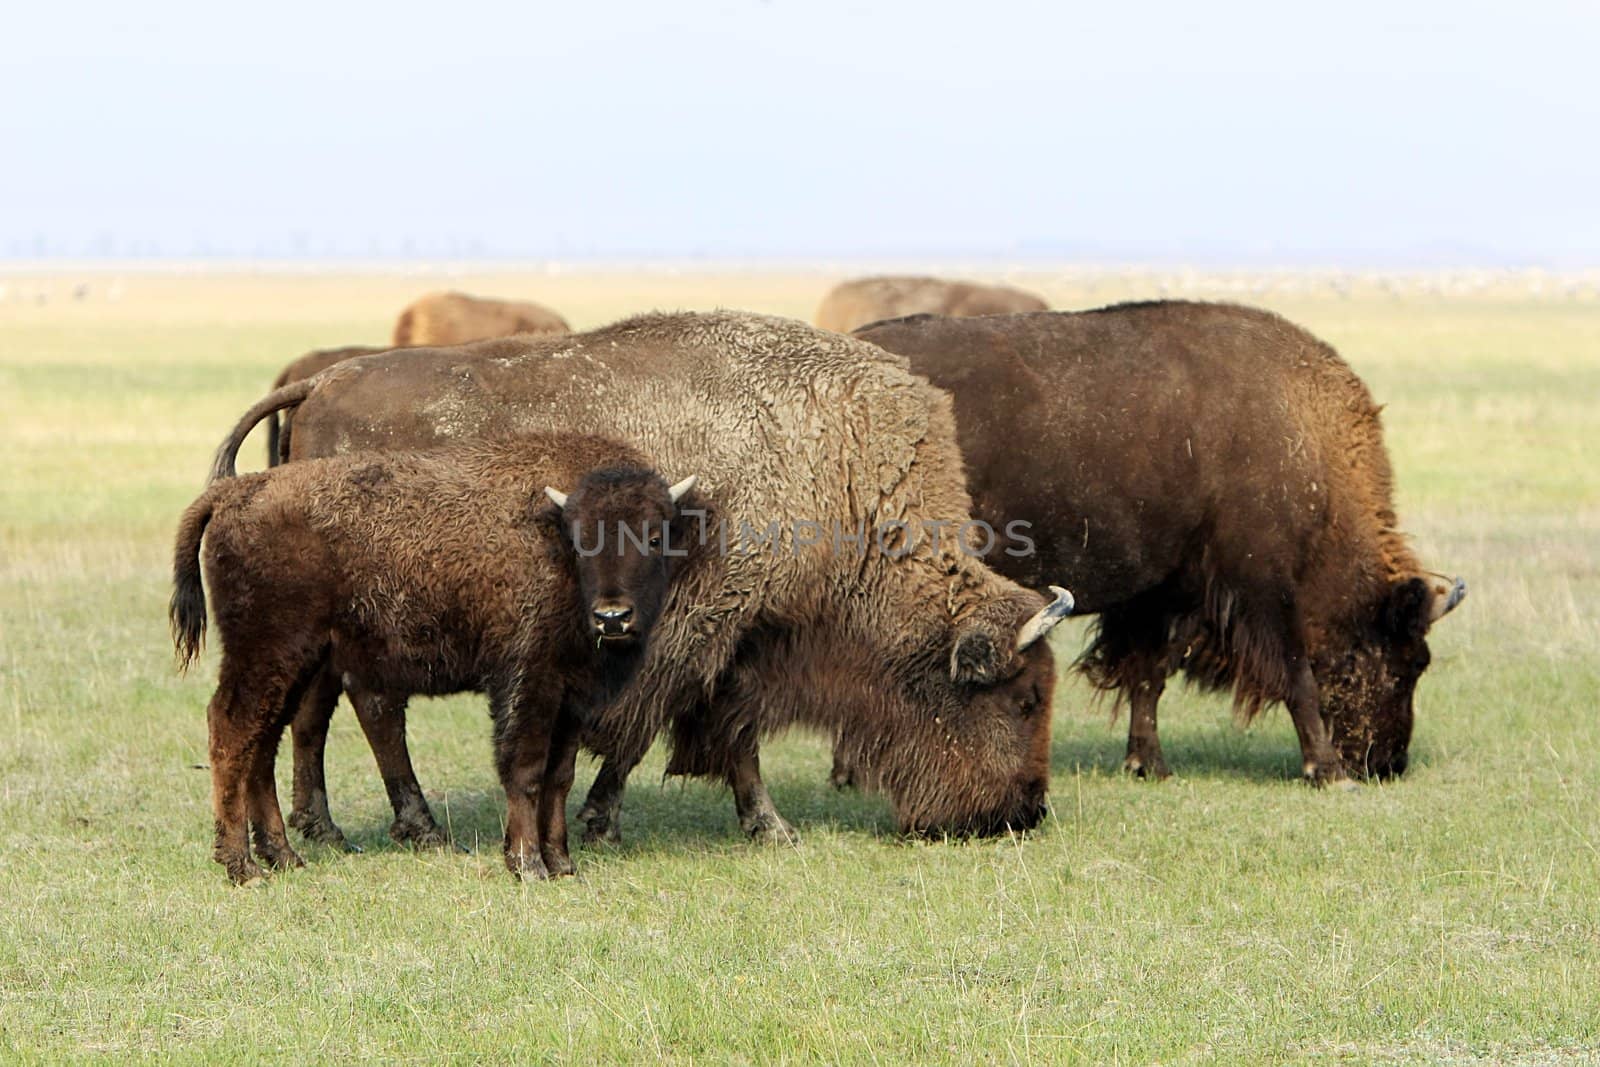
{"type": "Point", "coordinates": [222, 465]}
{"type": "Point", "coordinates": [272, 442]}
{"type": "Point", "coordinates": [187, 610]}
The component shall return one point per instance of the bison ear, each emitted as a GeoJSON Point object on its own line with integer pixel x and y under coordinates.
{"type": "Point", "coordinates": [543, 511]}
{"type": "Point", "coordinates": [975, 658]}
{"type": "Point", "coordinates": [1407, 612]}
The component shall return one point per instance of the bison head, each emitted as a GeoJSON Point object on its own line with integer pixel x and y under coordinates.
{"type": "Point", "coordinates": [959, 734]}
{"type": "Point", "coordinates": [625, 529]}
{"type": "Point", "coordinates": [1367, 683]}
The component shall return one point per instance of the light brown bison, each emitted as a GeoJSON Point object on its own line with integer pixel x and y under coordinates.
{"type": "Point", "coordinates": [425, 573]}
{"type": "Point", "coordinates": [855, 303]}
{"type": "Point", "coordinates": [456, 318]}
{"type": "Point", "coordinates": [1213, 482]}
{"type": "Point", "coordinates": [792, 430]}
{"type": "Point", "coordinates": [311, 363]}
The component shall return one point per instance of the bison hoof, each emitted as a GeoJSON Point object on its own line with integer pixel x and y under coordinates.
{"type": "Point", "coordinates": [321, 830]}
{"type": "Point", "coordinates": [279, 857]}
{"type": "Point", "coordinates": [600, 830]}
{"type": "Point", "coordinates": [1153, 768]}
{"type": "Point", "coordinates": [527, 868]}
{"type": "Point", "coordinates": [559, 865]}
{"type": "Point", "coordinates": [772, 829]}
{"type": "Point", "coordinates": [243, 871]}
{"type": "Point", "coordinates": [1330, 776]}
{"type": "Point", "coordinates": [419, 835]}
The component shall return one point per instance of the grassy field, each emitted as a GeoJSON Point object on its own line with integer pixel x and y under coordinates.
{"type": "Point", "coordinates": [1230, 913]}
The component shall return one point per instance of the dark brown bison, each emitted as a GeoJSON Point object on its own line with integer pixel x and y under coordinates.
{"type": "Point", "coordinates": [795, 431]}
{"type": "Point", "coordinates": [425, 573]}
{"type": "Point", "coordinates": [456, 318]}
{"type": "Point", "coordinates": [863, 300]}
{"type": "Point", "coordinates": [1212, 480]}
{"type": "Point", "coordinates": [311, 363]}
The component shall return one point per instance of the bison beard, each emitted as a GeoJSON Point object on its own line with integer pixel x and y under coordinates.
{"type": "Point", "coordinates": [1213, 481]}
{"type": "Point", "coordinates": [785, 424]}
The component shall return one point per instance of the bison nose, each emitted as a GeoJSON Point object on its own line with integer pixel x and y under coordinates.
{"type": "Point", "coordinates": [612, 618]}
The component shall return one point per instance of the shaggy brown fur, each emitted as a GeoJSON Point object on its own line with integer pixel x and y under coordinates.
{"type": "Point", "coordinates": [1211, 480]}
{"type": "Point", "coordinates": [855, 303]}
{"type": "Point", "coordinates": [783, 423]}
{"type": "Point", "coordinates": [311, 363]}
{"type": "Point", "coordinates": [423, 573]}
{"type": "Point", "coordinates": [456, 318]}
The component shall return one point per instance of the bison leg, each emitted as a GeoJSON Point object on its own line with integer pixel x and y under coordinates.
{"type": "Point", "coordinates": [559, 773]}
{"type": "Point", "coordinates": [1129, 655]}
{"type": "Point", "coordinates": [1321, 764]}
{"type": "Point", "coordinates": [383, 720]}
{"type": "Point", "coordinates": [309, 732]}
{"type": "Point", "coordinates": [266, 817]}
{"type": "Point", "coordinates": [601, 813]}
{"type": "Point", "coordinates": [758, 816]}
{"type": "Point", "coordinates": [244, 709]}
{"type": "Point", "coordinates": [522, 754]}
{"type": "Point", "coordinates": [1144, 757]}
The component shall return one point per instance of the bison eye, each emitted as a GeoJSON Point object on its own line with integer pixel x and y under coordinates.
{"type": "Point", "coordinates": [655, 540]}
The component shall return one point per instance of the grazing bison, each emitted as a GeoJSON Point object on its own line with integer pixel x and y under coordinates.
{"type": "Point", "coordinates": [810, 442]}
{"type": "Point", "coordinates": [307, 365]}
{"type": "Point", "coordinates": [456, 318]}
{"type": "Point", "coordinates": [863, 300]}
{"type": "Point", "coordinates": [1212, 479]}
{"type": "Point", "coordinates": [425, 573]}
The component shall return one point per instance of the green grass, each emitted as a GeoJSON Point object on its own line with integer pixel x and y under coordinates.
{"type": "Point", "coordinates": [1228, 914]}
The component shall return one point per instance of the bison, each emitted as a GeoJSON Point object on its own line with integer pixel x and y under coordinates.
{"type": "Point", "coordinates": [855, 303]}
{"type": "Point", "coordinates": [456, 318]}
{"type": "Point", "coordinates": [425, 573]}
{"type": "Point", "coordinates": [311, 363]}
{"type": "Point", "coordinates": [1213, 481]}
{"type": "Point", "coordinates": [815, 441]}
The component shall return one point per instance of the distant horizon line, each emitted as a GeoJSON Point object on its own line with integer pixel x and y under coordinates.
{"type": "Point", "coordinates": [904, 263]}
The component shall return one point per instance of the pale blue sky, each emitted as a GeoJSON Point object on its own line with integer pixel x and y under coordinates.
{"type": "Point", "coordinates": [1361, 133]}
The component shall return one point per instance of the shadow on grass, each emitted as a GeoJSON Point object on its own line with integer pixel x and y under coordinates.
{"type": "Point", "coordinates": [658, 815]}
{"type": "Point", "coordinates": [1224, 751]}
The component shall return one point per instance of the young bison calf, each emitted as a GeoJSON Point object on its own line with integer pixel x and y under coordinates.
{"type": "Point", "coordinates": [426, 573]}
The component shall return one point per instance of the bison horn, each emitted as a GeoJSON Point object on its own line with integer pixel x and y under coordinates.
{"type": "Point", "coordinates": [556, 496]}
{"type": "Point", "coordinates": [676, 492]}
{"type": "Point", "coordinates": [1445, 601]}
{"type": "Point", "coordinates": [1046, 619]}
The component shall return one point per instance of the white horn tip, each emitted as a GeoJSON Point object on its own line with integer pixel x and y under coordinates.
{"type": "Point", "coordinates": [1445, 600]}
{"type": "Point", "coordinates": [676, 492]}
{"type": "Point", "coordinates": [557, 497]}
{"type": "Point", "coordinates": [1046, 619]}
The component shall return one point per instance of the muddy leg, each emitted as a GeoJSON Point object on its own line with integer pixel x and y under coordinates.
{"type": "Point", "coordinates": [758, 817]}
{"type": "Point", "coordinates": [601, 813]}
{"type": "Point", "coordinates": [310, 736]}
{"type": "Point", "coordinates": [553, 797]}
{"type": "Point", "coordinates": [383, 720]}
